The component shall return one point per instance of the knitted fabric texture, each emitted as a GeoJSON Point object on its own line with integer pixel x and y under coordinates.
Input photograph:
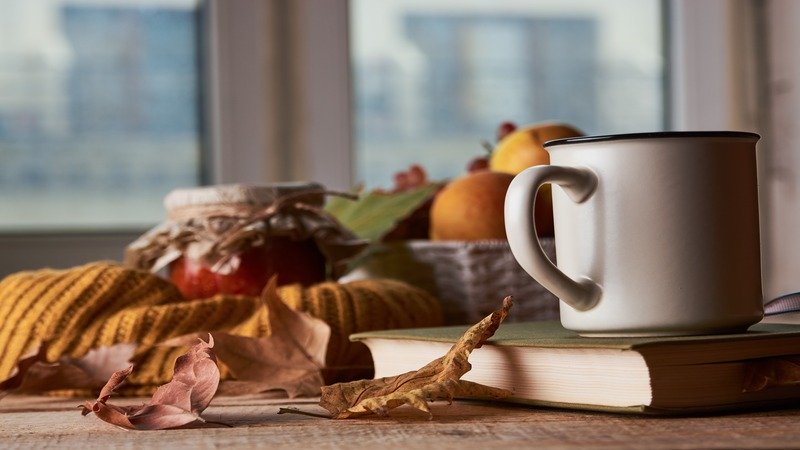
{"type": "Point", "coordinates": [102, 304]}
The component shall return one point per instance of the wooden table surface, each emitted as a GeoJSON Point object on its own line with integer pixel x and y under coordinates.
{"type": "Point", "coordinates": [42, 422]}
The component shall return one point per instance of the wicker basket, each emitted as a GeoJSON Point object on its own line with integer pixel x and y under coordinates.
{"type": "Point", "coordinates": [470, 278]}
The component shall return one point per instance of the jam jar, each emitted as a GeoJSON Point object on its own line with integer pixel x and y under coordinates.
{"type": "Point", "coordinates": [292, 261]}
{"type": "Point", "coordinates": [231, 239]}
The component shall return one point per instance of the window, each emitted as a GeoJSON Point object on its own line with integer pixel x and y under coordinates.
{"type": "Point", "coordinates": [282, 79]}
{"type": "Point", "coordinates": [99, 111]}
{"type": "Point", "coordinates": [434, 78]}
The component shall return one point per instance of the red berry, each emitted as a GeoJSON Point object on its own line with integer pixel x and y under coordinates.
{"type": "Point", "coordinates": [417, 176]}
{"type": "Point", "coordinates": [400, 181]}
{"type": "Point", "coordinates": [504, 129]}
{"type": "Point", "coordinates": [477, 164]}
{"type": "Point", "coordinates": [412, 178]}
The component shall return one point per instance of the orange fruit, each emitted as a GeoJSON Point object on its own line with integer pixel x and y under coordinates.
{"type": "Point", "coordinates": [470, 208]}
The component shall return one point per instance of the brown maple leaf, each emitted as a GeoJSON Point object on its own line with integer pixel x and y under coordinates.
{"type": "Point", "coordinates": [100, 363]}
{"type": "Point", "coordinates": [439, 380]}
{"type": "Point", "coordinates": [291, 358]}
{"type": "Point", "coordinates": [179, 402]}
{"type": "Point", "coordinates": [15, 381]}
{"type": "Point", "coordinates": [35, 375]}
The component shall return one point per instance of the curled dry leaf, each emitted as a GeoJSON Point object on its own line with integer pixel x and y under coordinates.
{"type": "Point", "coordinates": [771, 372]}
{"type": "Point", "coordinates": [24, 365]}
{"type": "Point", "coordinates": [177, 403]}
{"type": "Point", "coordinates": [35, 375]}
{"type": "Point", "coordinates": [100, 363]}
{"type": "Point", "coordinates": [439, 380]}
{"type": "Point", "coordinates": [291, 358]}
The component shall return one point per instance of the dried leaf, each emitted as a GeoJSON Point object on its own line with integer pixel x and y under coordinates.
{"type": "Point", "coordinates": [24, 365]}
{"type": "Point", "coordinates": [100, 363]}
{"type": "Point", "coordinates": [291, 358]}
{"type": "Point", "coordinates": [115, 381]}
{"type": "Point", "coordinates": [112, 414]}
{"type": "Point", "coordinates": [195, 380]}
{"type": "Point", "coordinates": [161, 417]}
{"type": "Point", "coordinates": [35, 375]}
{"type": "Point", "coordinates": [771, 372]}
{"type": "Point", "coordinates": [177, 403]}
{"type": "Point", "coordinates": [43, 377]}
{"type": "Point", "coordinates": [439, 380]}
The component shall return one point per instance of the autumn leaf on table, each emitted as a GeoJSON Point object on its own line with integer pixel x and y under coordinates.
{"type": "Point", "coordinates": [291, 358]}
{"type": "Point", "coordinates": [771, 372]}
{"type": "Point", "coordinates": [24, 366]}
{"type": "Point", "coordinates": [439, 380]}
{"type": "Point", "coordinates": [35, 375]}
{"type": "Point", "coordinates": [179, 402]}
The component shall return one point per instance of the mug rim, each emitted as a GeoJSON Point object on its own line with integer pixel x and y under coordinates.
{"type": "Point", "coordinates": [653, 135]}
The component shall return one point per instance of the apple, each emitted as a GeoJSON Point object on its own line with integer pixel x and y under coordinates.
{"type": "Point", "coordinates": [523, 147]}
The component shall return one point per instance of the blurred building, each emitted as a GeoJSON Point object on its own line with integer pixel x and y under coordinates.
{"type": "Point", "coordinates": [98, 96]}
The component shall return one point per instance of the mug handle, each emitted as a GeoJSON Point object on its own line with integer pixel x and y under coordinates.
{"type": "Point", "coordinates": [579, 183]}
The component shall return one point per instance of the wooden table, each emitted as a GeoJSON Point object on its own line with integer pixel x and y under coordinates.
{"type": "Point", "coordinates": [42, 422]}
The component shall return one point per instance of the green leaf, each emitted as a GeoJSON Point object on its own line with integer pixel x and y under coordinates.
{"type": "Point", "coordinates": [377, 213]}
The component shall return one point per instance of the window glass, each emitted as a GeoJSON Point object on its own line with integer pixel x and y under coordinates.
{"type": "Point", "coordinates": [432, 78]}
{"type": "Point", "coordinates": [99, 111]}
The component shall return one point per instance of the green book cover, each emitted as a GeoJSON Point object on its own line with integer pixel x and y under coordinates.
{"type": "Point", "coordinates": [551, 334]}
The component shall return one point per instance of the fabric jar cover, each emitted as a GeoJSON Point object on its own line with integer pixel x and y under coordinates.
{"type": "Point", "coordinates": [212, 224]}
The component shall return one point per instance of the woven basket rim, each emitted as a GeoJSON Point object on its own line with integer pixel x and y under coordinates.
{"type": "Point", "coordinates": [484, 244]}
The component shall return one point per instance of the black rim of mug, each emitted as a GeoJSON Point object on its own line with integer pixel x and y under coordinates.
{"type": "Point", "coordinates": [654, 135]}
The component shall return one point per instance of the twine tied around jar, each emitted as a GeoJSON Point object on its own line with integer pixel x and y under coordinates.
{"type": "Point", "coordinates": [215, 233]}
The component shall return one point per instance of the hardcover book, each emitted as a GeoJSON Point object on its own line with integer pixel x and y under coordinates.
{"type": "Point", "coordinates": [542, 363]}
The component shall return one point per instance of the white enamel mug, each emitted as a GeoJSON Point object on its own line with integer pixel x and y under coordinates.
{"type": "Point", "coordinates": [656, 233]}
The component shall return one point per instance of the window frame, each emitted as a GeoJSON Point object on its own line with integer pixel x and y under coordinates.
{"type": "Point", "coordinates": [291, 123]}
{"type": "Point", "coordinates": [713, 71]}
{"type": "Point", "coordinates": [296, 123]}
